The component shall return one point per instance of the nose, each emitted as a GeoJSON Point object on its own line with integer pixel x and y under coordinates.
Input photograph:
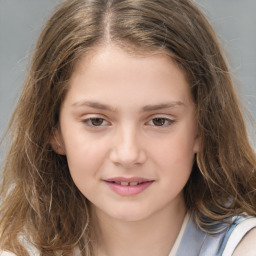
{"type": "Point", "coordinates": [127, 149]}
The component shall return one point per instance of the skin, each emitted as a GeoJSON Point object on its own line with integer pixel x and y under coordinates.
{"type": "Point", "coordinates": [108, 129]}
{"type": "Point", "coordinates": [127, 94]}
{"type": "Point", "coordinates": [247, 247]}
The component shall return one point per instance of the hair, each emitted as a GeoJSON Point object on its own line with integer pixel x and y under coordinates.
{"type": "Point", "coordinates": [39, 198]}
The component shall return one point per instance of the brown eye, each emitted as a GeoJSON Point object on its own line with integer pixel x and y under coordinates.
{"type": "Point", "coordinates": [96, 121]}
{"type": "Point", "coordinates": [159, 121]}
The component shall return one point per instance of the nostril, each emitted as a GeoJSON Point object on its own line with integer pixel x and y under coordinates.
{"type": "Point", "coordinates": [127, 150]}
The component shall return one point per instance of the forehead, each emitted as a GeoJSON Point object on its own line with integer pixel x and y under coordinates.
{"type": "Point", "coordinates": [125, 51]}
{"type": "Point", "coordinates": [110, 69]}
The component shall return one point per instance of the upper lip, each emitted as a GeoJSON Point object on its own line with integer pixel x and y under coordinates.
{"type": "Point", "coordinates": [124, 179]}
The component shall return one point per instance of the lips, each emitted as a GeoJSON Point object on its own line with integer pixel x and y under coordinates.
{"type": "Point", "coordinates": [128, 186]}
{"type": "Point", "coordinates": [125, 183]}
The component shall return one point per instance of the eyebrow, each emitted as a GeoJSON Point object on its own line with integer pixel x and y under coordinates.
{"type": "Point", "coordinates": [146, 108]}
{"type": "Point", "coordinates": [93, 104]}
{"type": "Point", "coordinates": [162, 106]}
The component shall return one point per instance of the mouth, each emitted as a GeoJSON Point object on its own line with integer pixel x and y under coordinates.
{"type": "Point", "coordinates": [125, 183]}
{"type": "Point", "coordinates": [128, 186]}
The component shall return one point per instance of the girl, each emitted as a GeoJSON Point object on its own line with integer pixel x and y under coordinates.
{"type": "Point", "coordinates": [128, 139]}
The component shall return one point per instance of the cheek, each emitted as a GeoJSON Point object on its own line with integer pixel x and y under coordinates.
{"type": "Point", "coordinates": [85, 156]}
{"type": "Point", "coordinates": [177, 150]}
{"type": "Point", "coordinates": [175, 158]}
{"type": "Point", "coordinates": [84, 164]}
{"type": "Point", "coordinates": [176, 165]}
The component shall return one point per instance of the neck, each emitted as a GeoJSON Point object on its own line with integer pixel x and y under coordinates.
{"type": "Point", "coordinates": [154, 235]}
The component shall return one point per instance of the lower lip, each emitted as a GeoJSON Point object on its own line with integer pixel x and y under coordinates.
{"type": "Point", "coordinates": [129, 190]}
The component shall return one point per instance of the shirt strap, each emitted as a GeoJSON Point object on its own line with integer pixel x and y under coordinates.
{"type": "Point", "coordinates": [180, 235]}
{"type": "Point", "coordinates": [237, 234]}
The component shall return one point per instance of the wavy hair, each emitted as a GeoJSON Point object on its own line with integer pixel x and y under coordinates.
{"type": "Point", "coordinates": [40, 202]}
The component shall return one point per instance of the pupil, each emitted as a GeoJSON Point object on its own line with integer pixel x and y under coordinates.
{"type": "Point", "coordinates": [97, 121]}
{"type": "Point", "coordinates": [158, 121]}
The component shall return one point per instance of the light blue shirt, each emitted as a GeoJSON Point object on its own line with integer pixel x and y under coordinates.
{"type": "Point", "coordinates": [195, 242]}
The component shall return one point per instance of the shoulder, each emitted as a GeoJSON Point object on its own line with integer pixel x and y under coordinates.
{"type": "Point", "coordinates": [247, 246]}
{"type": "Point", "coordinates": [240, 238]}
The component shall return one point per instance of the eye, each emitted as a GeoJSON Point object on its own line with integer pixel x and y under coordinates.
{"type": "Point", "coordinates": [95, 122]}
{"type": "Point", "coordinates": [160, 121]}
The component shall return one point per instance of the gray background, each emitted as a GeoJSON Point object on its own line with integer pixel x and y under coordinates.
{"type": "Point", "coordinates": [21, 21]}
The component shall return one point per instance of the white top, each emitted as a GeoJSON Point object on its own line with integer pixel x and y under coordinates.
{"type": "Point", "coordinates": [7, 254]}
{"type": "Point", "coordinates": [180, 235]}
{"type": "Point", "coordinates": [172, 253]}
{"type": "Point", "coordinates": [234, 239]}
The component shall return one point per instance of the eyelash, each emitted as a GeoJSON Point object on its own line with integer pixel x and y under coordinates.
{"type": "Point", "coordinates": [164, 122]}
{"type": "Point", "coordinates": [89, 121]}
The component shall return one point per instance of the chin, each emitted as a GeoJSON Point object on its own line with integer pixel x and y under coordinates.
{"type": "Point", "coordinates": [130, 215]}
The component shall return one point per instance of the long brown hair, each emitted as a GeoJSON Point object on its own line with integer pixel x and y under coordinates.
{"type": "Point", "coordinates": [40, 202]}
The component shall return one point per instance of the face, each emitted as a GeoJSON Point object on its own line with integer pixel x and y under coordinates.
{"type": "Point", "coordinates": [127, 128]}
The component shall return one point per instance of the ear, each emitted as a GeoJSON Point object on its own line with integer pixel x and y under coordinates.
{"type": "Point", "coordinates": [197, 144]}
{"type": "Point", "coordinates": [57, 142]}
